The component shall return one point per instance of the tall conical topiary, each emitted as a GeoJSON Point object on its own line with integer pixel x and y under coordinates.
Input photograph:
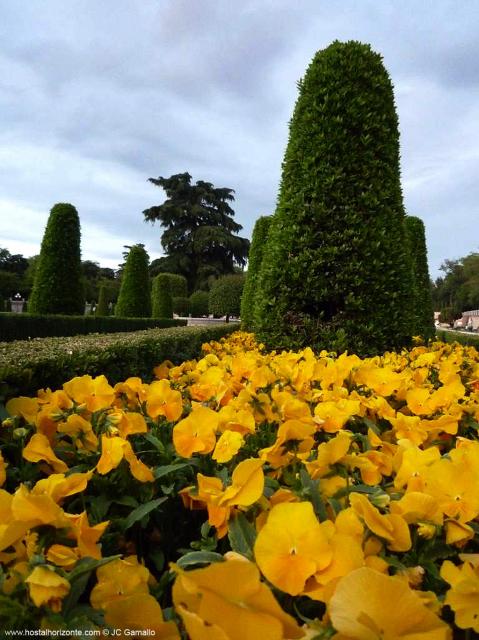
{"type": "Point", "coordinates": [134, 297]}
{"type": "Point", "coordinates": [423, 312]}
{"type": "Point", "coordinates": [102, 306]}
{"type": "Point", "coordinates": [57, 287]}
{"type": "Point", "coordinates": [335, 272]}
{"type": "Point", "coordinates": [161, 298]}
{"type": "Point", "coordinates": [255, 257]}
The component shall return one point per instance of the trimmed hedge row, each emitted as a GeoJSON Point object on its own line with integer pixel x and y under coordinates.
{"type": "Point", "coordinates": [22, 326]}
{"type": "Point", "coordinates": [26, 367]}
{"type": "Point", "coordinates": [466, 339]}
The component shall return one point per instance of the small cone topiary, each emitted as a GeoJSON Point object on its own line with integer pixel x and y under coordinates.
{"type": "Point", "coordinates": [134, 297]}
{"type": "Point", "coordinates": [58, 287]}
{"type": "Point", "coordinates": [225, 295]}
{"type": "Point", "coordinates": [102, 306]}
{"type": "Point", "coordinates": [423, 312]}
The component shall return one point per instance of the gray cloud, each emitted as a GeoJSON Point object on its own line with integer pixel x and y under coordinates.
{"type": "Point", "coordinates": [95, 97]}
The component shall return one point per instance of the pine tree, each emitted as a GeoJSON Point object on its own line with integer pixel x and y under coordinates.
{"type": "Point", "coordinates": [255, 257]}
{"type": "Point", "coordinates": [134, 297]}
{"type": "Point", "coordinates": [335, 271]}
{"type": "Point", "coordinates": [423, 312]}
{"type": "Point", "coordinates": [57, 287]}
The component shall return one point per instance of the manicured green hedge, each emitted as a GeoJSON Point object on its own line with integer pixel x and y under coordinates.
{"type": "Point", "coordinates": [161, 299]}
{"type": "Point", "coordinates": [23, 326]}
{"type": "Point", "coordinates": [26, 367]}
{"type": "Point", "coordinates": [466, 339]}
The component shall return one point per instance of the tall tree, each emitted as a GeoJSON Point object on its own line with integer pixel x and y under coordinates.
{"type": "Point", "coordinates": [335, 272]}
{"type": "Point", "coordinates": [58, 286]}
{"type": "Point", "coordinates": [199, 240]}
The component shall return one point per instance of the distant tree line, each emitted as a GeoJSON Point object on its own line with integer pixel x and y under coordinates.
{"type": "Point", "coordinates": [458, 289]}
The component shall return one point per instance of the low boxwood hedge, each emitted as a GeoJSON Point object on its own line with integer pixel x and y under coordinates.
{"type": "Point", "coordinates": [26, 366]}
{"type": "Point", "coordinates": [23, 326]}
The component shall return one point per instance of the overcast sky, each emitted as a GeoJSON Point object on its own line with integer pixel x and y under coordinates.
{"type": "Point", "coordinates": [98, 96]}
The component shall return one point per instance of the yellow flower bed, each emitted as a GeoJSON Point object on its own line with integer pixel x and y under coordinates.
{"type": "Point", "coordinates": [246, 496]}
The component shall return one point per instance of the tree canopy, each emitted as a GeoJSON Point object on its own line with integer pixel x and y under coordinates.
{"type": "Point", "coordinates": [458, 289]}
{"type": "Point", "coordinates": [200, 238]}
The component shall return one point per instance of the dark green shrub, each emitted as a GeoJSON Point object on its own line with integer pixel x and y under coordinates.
{"type": "Point", "coordinates": [102, 306]}
{"type": "Point", "coordinates": [255, 257]}
{"type": "Point", "coordinates": [57, 287]}
{"type": "Point", "coordinates": [161, 299]}
{"type": "Point", "coordinates": [335, 273]}
{"type": "Point", "coordinates": [27, 366]}
{"type": "Point", "coordinates": [134, 297]}
{"type": "Point", "coordinates": [423, 312]}
{"type": "Point", "coordinates": [181, 305]}
{"type": "Point", "coordinates": [178, 285]}
{"type": "Point", "coordinates": [25, 326]}
{"type": "Point", "coordinates": [199, 304]}
{"type": "Point", "coordinates": [225, 295]}
{"type": "Point", "coordinates": [448, 314]}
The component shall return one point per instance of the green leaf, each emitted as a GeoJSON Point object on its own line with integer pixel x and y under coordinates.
{"type": "Point", "coordinates": [311, 490]}
{"type": "Point", "coordinates": [140, 512]}
{"type": "Point", "coordinates": [199, 557]}
{"type": "Point", "coordinates": [164, 470]}
{"type": "Point", "coordinates": [154, 441]}
{"type": "Point", "coordinates": [242, 535]}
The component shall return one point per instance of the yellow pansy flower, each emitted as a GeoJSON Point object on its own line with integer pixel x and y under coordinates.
{"type": "Point", "coordinates": [86, 536]}
{"type": "Point", "coordinates": [39, 449]}
{"type": "Point", "coordinates": [62, 556]}
{"type": "Point", "coordinates": [58, 487]}
{"type": "Point", "coordinates": [331, 416]}
{"type": "Point", "coordinates": [228, 445]}
{"type": "Point", "coordinates": [227, 601]}
{"type": "Point", "coordinates": [94, 393]}
{"type": "Point", "coordinates": [47, 587]}
{"type": "Point", "coordinates": [391, 527]}
{"type": "Point", "coordinates": [196, 432]}
{"type": "Point", "coordinates": [292, 547]}
{"type": "Point", "coordinates": [162, 400]}
{"type": "Point", "coordinates": [463, 596]}
{"type": "Point", "coordinates": [80, 431]}
{"type": "Point", "coordinates": [368, 605]}
{"type": "Point", "coordinates": [25, 407]}
{"type": "Point", "coordinates": [247, 483]}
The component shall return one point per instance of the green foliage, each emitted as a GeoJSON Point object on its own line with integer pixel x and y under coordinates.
{"type": "Point", "coordinates": [200, 238]}
{"type": "Point", "coordinates": [102, 306]}
{"type": "Point", "coordinates": [178, 284]}
{"type": "Point", "coordinates": [255, 257]}
{"type": "Point", "coordinates": [181, 305]}
{"type": "Point", "coordinates": [27, 366]}
{"type": "Point", "coordinates": [225, 295]}
{"type": "Point", "coordinates": [9, 284]}
{"type": "Point", "coordinates": [199, 303]}
{"type": "Point", "coordinates": [459, 287]}
{"type": "Point", "coordinates": [423, 313]}
{"type": "Point", "coordinates": [25, 326]}
{"type": "Point", "coordinates": [58, 287]}
{"type": "Point", "coordinates": [335, 272]}
{"type": "Point", "coordinates": [134, 298]}
{"type": "Point", "coordinates": [161, 299]}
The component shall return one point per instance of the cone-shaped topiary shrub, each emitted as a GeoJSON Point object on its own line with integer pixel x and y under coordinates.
{"type": "Point", "coordinates": [225, 295]}
{"type": "Point", "coordinates": [102, 306]}
{"type": "Point", "coordinates": [199, 303]}
{"type": "Point", "coordinates": [255, 257]}
{"type": "Point", "coordinates": [57, 287]}
{"type": "Point", "coordinates": [134, 297]}
{"type": "Point", "coordinates": [161, 299]}
{"type": "Point", "coordinates": [423, 312]}
{"type": "Point", "coordinates": [335, 272]}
